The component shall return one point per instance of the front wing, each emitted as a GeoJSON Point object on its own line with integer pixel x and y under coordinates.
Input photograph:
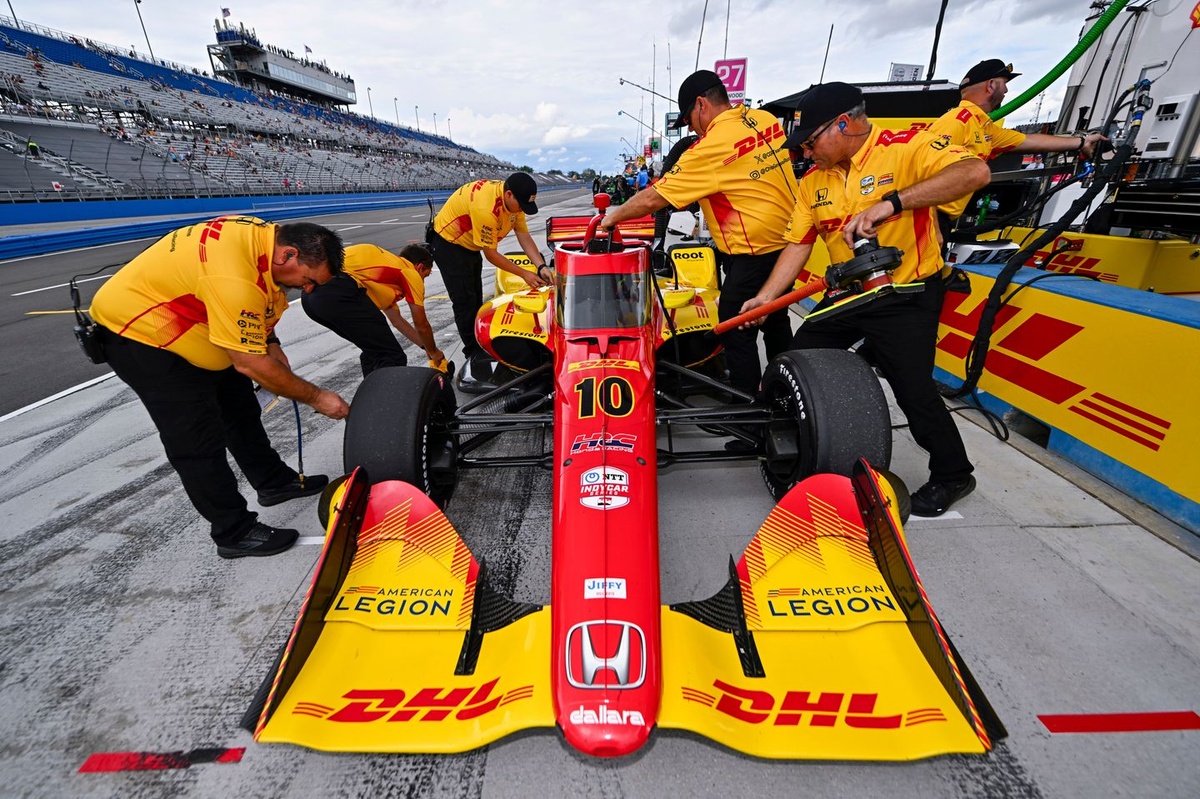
{"type": "Point", "coordinates": [822, 646]}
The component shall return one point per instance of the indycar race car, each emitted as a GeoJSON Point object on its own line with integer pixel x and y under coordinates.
{"type": "Point", "coordinates": [822, 644]}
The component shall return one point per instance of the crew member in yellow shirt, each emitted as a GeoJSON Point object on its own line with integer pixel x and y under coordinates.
{"type": "Point", "coordinates": [189, 324]}
{"type": "Point", "coordinates": [745, 187]}
{"type": "Point", "coordinates": [375, 280]}
{"type": "Point", "coordinates": [969, 125]}
{"type": "Point", "coordinates": [871, 183]}
{"type": "Point", "coordinates": [469, 228]}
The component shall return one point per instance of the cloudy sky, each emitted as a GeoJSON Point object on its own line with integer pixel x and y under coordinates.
{"type": "Point", "coordinates": [537, 83]}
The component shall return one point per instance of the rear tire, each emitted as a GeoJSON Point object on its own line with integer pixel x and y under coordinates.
{"type": "Point", "coordinates": [399, 429]}
{"type": "Point", "coordinates": [836, 413]}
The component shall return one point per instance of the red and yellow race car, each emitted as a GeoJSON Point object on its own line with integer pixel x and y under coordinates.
{"type": "Point", "coordinates": [822, 643]}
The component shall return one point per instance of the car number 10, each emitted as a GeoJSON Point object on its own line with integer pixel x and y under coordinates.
{"type": "Point", "coordinates": [614, 395]}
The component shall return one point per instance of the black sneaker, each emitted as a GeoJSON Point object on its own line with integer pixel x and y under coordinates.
{"type": "Point", "coordinates": [475, 377]}
{"type": "Point", "coordinates": [934, 499]}
{"type": "Point", "coordinates": [259, 542]}
{"type": "Point", "coordinates": [313, 484]}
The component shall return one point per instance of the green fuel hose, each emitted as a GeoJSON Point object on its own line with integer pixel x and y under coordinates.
{"type": "Point", "coordinates": [1082, 47]}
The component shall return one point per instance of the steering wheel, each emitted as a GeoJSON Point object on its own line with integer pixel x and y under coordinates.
{"type": "Point", "coordinates": [614, 235]}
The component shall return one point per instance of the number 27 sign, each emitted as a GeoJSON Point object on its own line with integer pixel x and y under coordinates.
{"type": "Point", "coordinates": [732, 72]}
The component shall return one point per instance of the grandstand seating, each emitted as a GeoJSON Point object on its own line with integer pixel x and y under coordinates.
{"type": "Point", "coordinates": [112, 123]}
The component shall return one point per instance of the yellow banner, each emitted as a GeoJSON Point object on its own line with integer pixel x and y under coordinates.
{"type": "Point", "coordinates": [1120, 380]}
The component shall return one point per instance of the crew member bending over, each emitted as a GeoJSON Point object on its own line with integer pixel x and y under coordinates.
{"type": "Point", "coordinates": [375, 280]}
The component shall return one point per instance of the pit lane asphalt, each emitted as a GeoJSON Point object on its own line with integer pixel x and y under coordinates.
{"type": "Point", "coordinates": [120, 629]}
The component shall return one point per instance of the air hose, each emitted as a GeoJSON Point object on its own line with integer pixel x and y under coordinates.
{"type": "Point", "coordinates": [977, 354]}
{"type": "Point", "coordinates": [1082, 47]}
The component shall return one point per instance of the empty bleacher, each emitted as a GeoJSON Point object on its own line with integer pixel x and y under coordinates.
{"type": "Point", "coordinates": [113, 123]}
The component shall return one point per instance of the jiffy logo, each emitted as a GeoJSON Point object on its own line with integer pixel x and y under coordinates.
{"type": "Point", "coordinates": [604, 487]}
{"type": "Point", "coordinates": [606, 654]}
{"type": "Point", "coordinates": [603, 588]}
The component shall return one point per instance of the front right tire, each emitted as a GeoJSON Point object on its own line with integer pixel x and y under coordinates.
{"type": "Point", "coordinates": [399, 428]}
{"type": "Point", "coordinates": [832, 411]}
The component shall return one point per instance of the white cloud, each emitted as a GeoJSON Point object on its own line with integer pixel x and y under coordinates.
{"type": "Point", "coordinates": [561, 93]}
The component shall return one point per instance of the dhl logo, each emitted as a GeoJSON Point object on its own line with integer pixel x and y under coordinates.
{"type": "Point", "coordinates": [889, 137]}
{"type": "Point", "coordinates": [604, 363]}
{"type": "Point", "coordinates": [211, 230]}
{"type": "Point", "coordinates": [1058, 258]}
{"type": "Point", "coordinates": [752, 143]}
{"type": "Point", "coordinates": [1033, 339]}
{"type": "Point", "coordinates": [811, 708]}
{"type": "Point", "coordinates": [429, 704]}
{"type": "Point", "coordinates": [829, 226]}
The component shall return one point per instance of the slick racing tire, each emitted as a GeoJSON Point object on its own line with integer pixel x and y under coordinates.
{"type": "Point", "coordinates": [399, 429]}
{"type": "Point", "coordinates": [830, 412]}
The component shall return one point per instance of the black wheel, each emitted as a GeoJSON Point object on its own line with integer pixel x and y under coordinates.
{"type": "Point", "coordinates": [399, 429]}
{"type": "Point", "coordinates": [835, 413]}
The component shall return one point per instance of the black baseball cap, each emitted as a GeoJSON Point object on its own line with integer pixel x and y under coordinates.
{"type": "Point", "coordinates": [986, 70]}
{"type": "Point", "coordinates": [693, 86]}
{"type": "Point", "coordinates": [524, 188]}
{"type": "Point", "coordinates": [818, 105]}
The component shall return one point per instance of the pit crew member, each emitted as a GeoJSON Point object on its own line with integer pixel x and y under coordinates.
{"type": "Point", "coordinates": [474, 219]}
{"type": "Point", "coordinates": [375, 280]}
{"type": "Point", "coordinates": [189, 326]}
{"type": "Point", "coordinates": [745, 190]}
{"type": "Point", "coordinates": [968, 125]}
{"type": "Point", "coordinates": [867, 183]}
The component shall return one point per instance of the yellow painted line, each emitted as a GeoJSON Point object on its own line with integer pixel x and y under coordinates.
{"type": "Point", "coordinates": [46, 313]}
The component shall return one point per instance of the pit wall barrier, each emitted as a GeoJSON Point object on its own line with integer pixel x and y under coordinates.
{"type": "Point", "coordinates": [1111, 371]}
{"type": "Point", "coordinates": [182, 213]}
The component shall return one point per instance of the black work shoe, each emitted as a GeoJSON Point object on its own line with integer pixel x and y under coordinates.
{"type": "Point", "coordinates": [934, 499]}
{"type": "Point", "coordinates": [260, 541]}
{"type": "Point", "coordinates": [313, 484]}
{"type": "Point", "coordinates": [470, 385]}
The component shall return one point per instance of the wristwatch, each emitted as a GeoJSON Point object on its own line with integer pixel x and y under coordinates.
{"type": "Point", "coordinates": [894, 198]}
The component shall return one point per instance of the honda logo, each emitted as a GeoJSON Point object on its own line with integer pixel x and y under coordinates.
{"type": "Point", "coordinates": [606, 654]}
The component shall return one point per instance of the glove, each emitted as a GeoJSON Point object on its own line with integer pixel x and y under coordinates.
{"type": "Point", "coordinates": [444, 365]}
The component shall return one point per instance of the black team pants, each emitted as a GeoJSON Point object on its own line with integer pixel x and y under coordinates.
{"type": "Point", "coordinates": [744, 276]}
{"type": "Point", "coordinates": [902, 332]}
{"type": "Point", "coordinates": [462, 272]}
{"type": "Point", "coordinates": [344, 307]}
{"type": "Point", "coordinates": [199, 415]}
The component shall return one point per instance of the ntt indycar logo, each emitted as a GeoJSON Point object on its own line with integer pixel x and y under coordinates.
{"type": "Point", "coordinates": [604, 488]}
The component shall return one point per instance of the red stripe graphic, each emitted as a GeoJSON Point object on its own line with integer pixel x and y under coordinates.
{"type": "Point", "coordinates": [1115, 428]}
{"type": "Point", "coordinates": [1122, 722]}
{"type": "Point", "coordinates": [1163, 423]}
{"type": "Point", "coordinates": [1046, 385]}
{"type": "Point", "coordinates": [158, 761]}
{"type": "Point", "coordinates": [1038, 336]}
{"type": "Point", "coordinates": [1109, 412]}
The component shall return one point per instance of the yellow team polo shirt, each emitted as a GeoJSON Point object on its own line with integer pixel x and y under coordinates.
{"type": "Point", "coordinates": [969, 126]}
{"type": "Point", "coordinates": [198, 291]}
{"type": "Point", "coordinates": [888, 161]}
{"type": "Point", "coordinates": [475, 217]}
{"type": "Point", "coordinates": [745, 185]}
{"type": "Point", "coordinates": [387, 278]}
